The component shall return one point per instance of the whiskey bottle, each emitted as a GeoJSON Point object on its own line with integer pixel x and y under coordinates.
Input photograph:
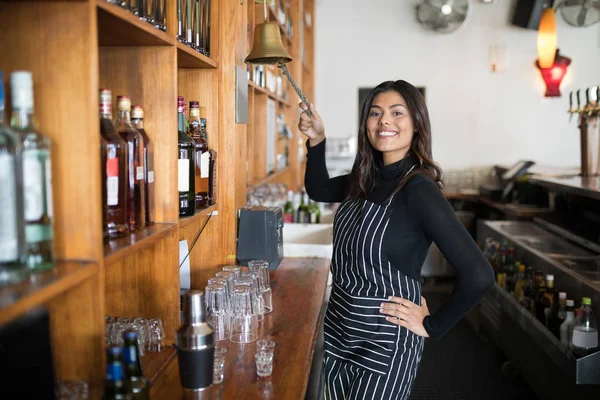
{"type": "Point", "coordinates": [12, 224]}
{"type": "Point", "coordinates": [103, 151]}
{"type": "Point", "coordinates": [201, 157]}
{"type": "Point", "coordinates": [37, 175]}
{"type": "Point", "coordinates": [212, 161]}
{"type": "Point", "coordinates": [185, 164]}
{"type": "Point", "coordinates": [137, 117]}
{"type": "Point", "coordinates": [135, 193]}
{"type": "Point", "coordinates": [115, 170]}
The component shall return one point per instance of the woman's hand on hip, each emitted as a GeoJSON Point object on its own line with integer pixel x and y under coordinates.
{"type": "Point", "coordinates": [313, 127]}
{"type": "Point", "coordinates": [405, 313]}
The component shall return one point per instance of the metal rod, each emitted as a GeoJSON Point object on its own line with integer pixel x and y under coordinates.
{"type": "Point", "coordinates": [287, 73]}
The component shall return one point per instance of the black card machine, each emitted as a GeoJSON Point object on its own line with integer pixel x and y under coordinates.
{"type": "Point", "coordinates": [260, 235]}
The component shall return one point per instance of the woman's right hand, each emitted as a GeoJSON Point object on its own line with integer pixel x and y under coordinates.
{"type": "Point", "coordinates": [313, 127]}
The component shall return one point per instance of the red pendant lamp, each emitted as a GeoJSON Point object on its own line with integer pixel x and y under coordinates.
{"type": "Point", "coordinates": [551, 64]}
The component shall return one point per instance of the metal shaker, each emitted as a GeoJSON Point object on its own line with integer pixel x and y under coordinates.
{"type": "Point", "coordinates": [195, 344]}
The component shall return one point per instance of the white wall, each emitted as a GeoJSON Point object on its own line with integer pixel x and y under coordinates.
{"type": "Point", "coordinates": [478, 117]}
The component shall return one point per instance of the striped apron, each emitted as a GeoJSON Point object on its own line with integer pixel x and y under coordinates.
{"type": "Point", "coordinates": [365, 356]}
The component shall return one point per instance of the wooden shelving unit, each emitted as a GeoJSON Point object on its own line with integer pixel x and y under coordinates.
{"type": "Point", "coordinates": [75, 48]}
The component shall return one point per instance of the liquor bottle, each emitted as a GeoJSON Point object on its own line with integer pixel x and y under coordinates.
{"type": "Point", "coordinates": [182, 20]}
{"type": "Point", "coordinates": [205, 29]}
{"type": "Point", "coordinates": [136, 195]}
{"type": "Point", "coordinates": [585, 331]}
{"type": "Point", "coordinates": [103, 152]}
{"type": "Point", "coordinates": [12, 224]}
{"type": "Point", "coordinates": [37, 175]}
{"type": "Point", "coordinates": [520, 282]}
{"type": "Point", "coordinates": [559, 314]}
{"type": "Point", "coordinates": [201, 157]}
{"type": "Point", "coordinates": [315, 212]}
{"type": "Point", "coordinates": [551, 300]}
{"type": "Point", "coordinates": [288, 209]}
{"type": "Point", "coordinates": [197, 44]}
{"type": "Point", "coordinates": [137, 118]}
{"type": "Point", "coordinates": [541, 302]}
{"type": "Point", "coordinates": [160, 16]}
{"type": "Point", "coordinates": [569, 320]}
{"type": "Point", "coordinates": [136, 383]}
{"type": "Point", "coordinates": [302, 216]}
{"type": "Point", "coordinates": [114, 384]}
{"type": "Point", "coordinates": [212, 162]}
{"type": "Point", "coordinates": [115, 170]}
{"type": "Point", "coordinates": [185, 164]}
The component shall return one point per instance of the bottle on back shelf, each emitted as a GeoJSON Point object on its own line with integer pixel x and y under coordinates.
{"type": "Point", "coordinates": [558, 314]}
{"type": "Point", "coordinates": [212, 172]}
{"type": "Point", "coordinates": [551, 299]}
{"type": "Point", "coordinates": [185, 164]}
{"type": "Point", "coordinates": [137, 118]}
{"type": "Point", "coordinates": [302, 216]}
{"type": "Point", "coordinates": [541, 302]}
{"type": "Point", "coordinates": [566, 325]}
{"type": "Point", "coordinates": [527, 293]}
{"type": "Point", "coordinates": [584, 340]}
{"type": "Point", "coordinates": [315, 212]}
{"type": "Point", "coordinates": [135, 193]}
{"type": "Point", "coordinates": [12, 234]}
{"type": "Point", "coordinates": [520, 282]}
{"type": "Point", "coordinates": [114, 384]}
{"type": "Point", "coordinates": [288, 209]}
{"type": "Point", "coordinates": [201, 157]}
{"type": "Point", "coordinates": [37, 175]}
{"type": "Point", "coordinates": [114, 171]}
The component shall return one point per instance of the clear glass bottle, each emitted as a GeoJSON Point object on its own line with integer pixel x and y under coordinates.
{"type": "Point", "coordinates": [569, 320]}
{"type": "Point", "coordinates": [201, 157]}
{"type": "Point", "coordinates": [12, 224]}
{"type": "Point", "coordinates": [137, 117]}
{"type": "Point", "coordinates": [136, 195]}
{"type": "Point", "coordinates": [185, 164]}
{"type": "Point", "coordinates": [584, 340]}
{"type": "Point", "coordinates": [115, 170]}
{"type": "Point", "coordinates": [212, 161]}
{"type": "Point", "coordinates": [37, 175]}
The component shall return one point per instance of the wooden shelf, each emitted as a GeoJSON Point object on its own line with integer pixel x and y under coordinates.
{"type": "Point", "coordinates": [268, 93]}
{"type": "Point", "coordinates": [185, 221]}
{"type": "Point", "coordinates": [117, 249]}
{"type": "Point", "coordinates": [17, 299]}
{"type": "Point", "coordinates": [268, 179]}
{"type": "Point", "coordinates": [154, 364]}
{"type": "Point", "coordinates": [119, 27]}
{"type": "Point", "coordinates": [190, 58]}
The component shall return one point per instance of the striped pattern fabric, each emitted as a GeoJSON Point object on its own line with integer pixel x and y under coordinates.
{"type": "Point", "coordinates": [366, 357]}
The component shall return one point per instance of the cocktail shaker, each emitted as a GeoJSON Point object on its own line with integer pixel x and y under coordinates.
{"type": "Point", "coordinates": [195, 344]}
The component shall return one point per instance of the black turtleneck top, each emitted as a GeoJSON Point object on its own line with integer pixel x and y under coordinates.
{"type": "Point", "coordinates": [420, 214]}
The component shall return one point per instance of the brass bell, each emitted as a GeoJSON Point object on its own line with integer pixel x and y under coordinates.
{"type": "Point", "coordinates": [268, 46]}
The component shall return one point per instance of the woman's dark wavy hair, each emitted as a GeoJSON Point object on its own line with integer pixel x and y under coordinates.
{"type": "Point", "coordinates": [368, 162]}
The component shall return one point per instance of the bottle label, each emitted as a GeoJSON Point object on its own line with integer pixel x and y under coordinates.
{"type": "Point", "coordinates": [9, 243]}
{"type": "Point", "coordinates": [204, 164]}
{"type": "Point", "coordinates": [33, 184]}
{"type": "Point", "coordinates": [114, 372]}
{"type": "Point", "coordinates": [112, 181]}
{"type": "Point", "coordinates": [585, 338]}
{"type": "Point", "coordinates": [49, 201]}
{"type": "Point", "coordinates": [35, 233]}
{"type": "Point", "coordinates": [150, 176]}
{"type": "Point", "coordinates": [183, 175]}
{"type": "Point", "coordinates": [288, 218]}
{"type": "Point", "coordinates": [313, 218]}
{"type": "Point", "coordinates": [139, 173]}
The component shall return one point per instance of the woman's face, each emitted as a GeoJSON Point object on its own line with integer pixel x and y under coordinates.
{"type": "Point", "coordinates": [390, 126]}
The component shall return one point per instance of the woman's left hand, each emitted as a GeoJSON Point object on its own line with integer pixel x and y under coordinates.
{"type": "Point", "coordinates": [405, 313]}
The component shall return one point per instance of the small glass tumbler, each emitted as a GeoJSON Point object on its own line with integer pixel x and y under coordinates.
{"type": "Point", "coordinates": [71, 390]}
{"type": "Point", "coordinates": [261, 268]}
{"type": "Point", "coordinates": [230, 276]}
{"type": "Point", "coordinates": [267, 346]}
{"type": "Point", "coordinates": [264, 363]}
{"type": "Point", "coordinates": [157, 335]}
{"type": "Point", "coordinates": [224, 282]}
{"type": "Point", "coordinates": [116, 334]}
{"type": "Point", "coordinates": [219, 365]}
{"type": "Point", "coordinates": [236, 269]}
{"type": "Point", "coordinates": [108, 324]}
{"type": "Point", "coordinates": [218, 315]}
{"type": "Point", "coordinates": [250, 279]}
{"type": "Point", "coordinates": [244, 321]}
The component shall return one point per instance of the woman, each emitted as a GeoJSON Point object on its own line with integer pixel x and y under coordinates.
{"type": "Point", "coordinates": [392, 209]}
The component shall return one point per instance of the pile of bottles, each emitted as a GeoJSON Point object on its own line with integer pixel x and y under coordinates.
{"type": "Point", "coordinates": [576, 328]}
{"type": "Point", "coordinates": [300, 209]}
{"type": "Point", "coordinates": [26, 216]}
{"type": "Point", "coordinates": [124, 376]}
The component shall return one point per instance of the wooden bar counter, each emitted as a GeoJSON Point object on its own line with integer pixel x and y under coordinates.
{"type": "Point", "coordinates": [298, 287]}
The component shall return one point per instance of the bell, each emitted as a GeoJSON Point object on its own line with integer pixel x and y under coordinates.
{"type": "Point", "coordinates": [267, 47]}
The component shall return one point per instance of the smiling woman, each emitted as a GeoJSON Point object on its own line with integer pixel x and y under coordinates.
{"type": "Point", "coordinates": [392, 209]}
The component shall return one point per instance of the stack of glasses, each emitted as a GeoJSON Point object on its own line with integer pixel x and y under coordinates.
{"type": "Point", "coordinates": [193, 24]}
{"type": "Point", "coordinates": [151, 335]}
{"type": "Point", "coordinates": [152, 11]}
